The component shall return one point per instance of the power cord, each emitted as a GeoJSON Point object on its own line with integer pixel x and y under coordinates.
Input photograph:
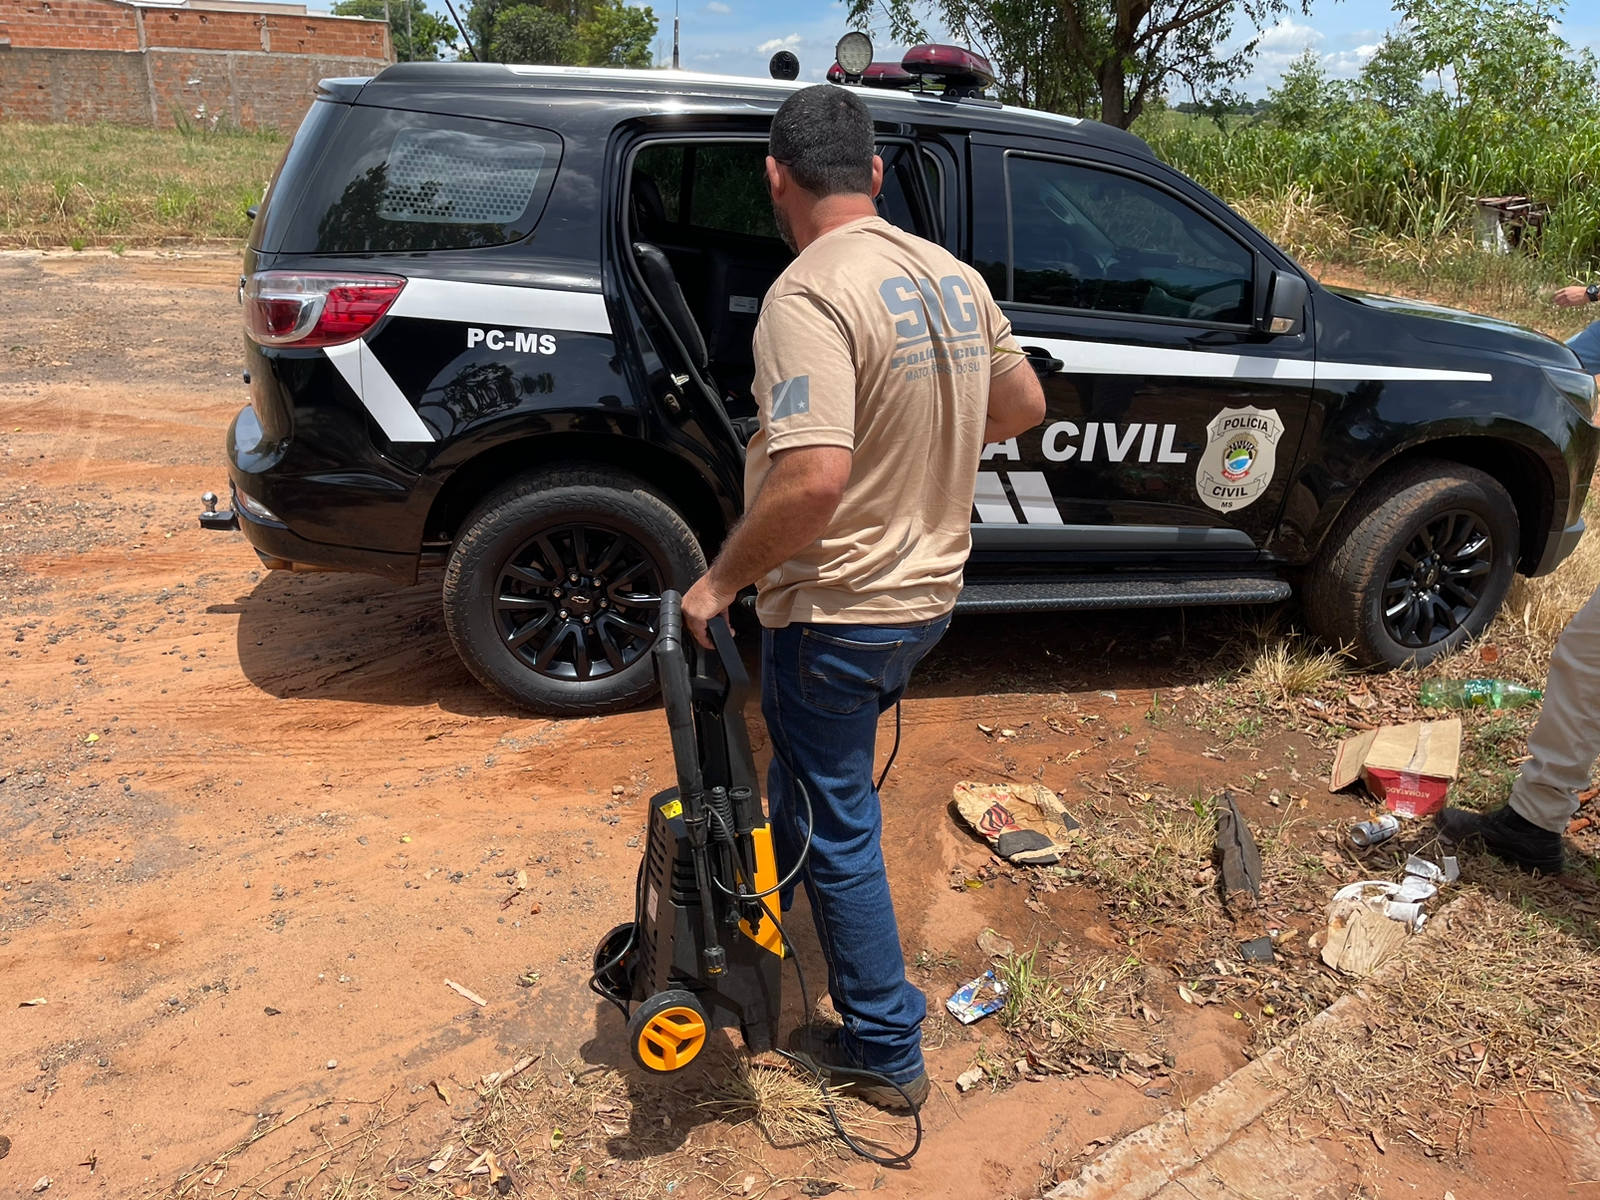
{"type": "Point", "coordinates": [893, 750]}
{"type": "Point", "coordinates": [894, 1160]}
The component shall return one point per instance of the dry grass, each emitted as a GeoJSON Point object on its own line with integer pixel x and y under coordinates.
{"type": "Point", "coordinates": [1071, 1010]}
{"type": "Point", "coordinates": [1290, 666]}
{"type": "Point", "coordinates": [1153, 860]}
{"type": "Point", "coordinates": [1492, 1001]}
{"type": "Point", "coordinates": [790, 1112]}
{"type": "Point", "coordinates": [109, 185]}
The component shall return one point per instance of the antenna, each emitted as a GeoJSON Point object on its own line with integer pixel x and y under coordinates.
{"type": "Point", "coordinates": [674, 35]}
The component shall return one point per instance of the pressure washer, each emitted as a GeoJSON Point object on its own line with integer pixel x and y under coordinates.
{"type": "Point", "coordinates": [706, 945]}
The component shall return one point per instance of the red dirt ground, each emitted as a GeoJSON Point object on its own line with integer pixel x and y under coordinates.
{"type": "Point", "coordinates": [253, 821]}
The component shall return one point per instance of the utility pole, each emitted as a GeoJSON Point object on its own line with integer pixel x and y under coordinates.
{"type": "Point", "coordinates": [411, 46]}
{"type": "Point", "coordinates": [387, 25]}
{"type": "Point", "coordinates": [674, 35]}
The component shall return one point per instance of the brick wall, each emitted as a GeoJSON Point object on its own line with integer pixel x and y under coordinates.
{"type": "Point", "coordinates": [71, 24]}
{"type": "Point", "coordinates": [251, 89]}
{"type": "Point", "coordinates": [107, 60]}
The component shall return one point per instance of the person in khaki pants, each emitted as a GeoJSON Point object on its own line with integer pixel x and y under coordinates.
{"type": "Point", "coordinates": [1562, 749]}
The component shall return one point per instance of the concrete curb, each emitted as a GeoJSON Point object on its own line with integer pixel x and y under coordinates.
{"type": "Point", "coordinates": [1147, 1160]}
{"type": "Point", "coordinates": [1144, 1162]}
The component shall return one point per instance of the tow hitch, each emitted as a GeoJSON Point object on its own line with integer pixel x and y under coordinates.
{"type": "Point", "coordinates": [212, 519]}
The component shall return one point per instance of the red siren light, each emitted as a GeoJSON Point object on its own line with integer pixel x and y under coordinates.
{"type": "Point", "coordinates": [878, 75]}
{"type": "Point", "coordinates": [954, 64]}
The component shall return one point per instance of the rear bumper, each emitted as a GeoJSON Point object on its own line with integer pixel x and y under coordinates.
{"type": "Point", "coordinates": [1561, 543]}
{"type": "Point", "coordinates": [281, 548]}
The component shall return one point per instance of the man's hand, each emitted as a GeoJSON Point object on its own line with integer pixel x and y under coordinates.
{"type": "Point", "coordinates": [701, 603]}
{"type": "Point", "coordinates": [1571, 297]}
{"type": "Point", "coordinates": [797, 501]}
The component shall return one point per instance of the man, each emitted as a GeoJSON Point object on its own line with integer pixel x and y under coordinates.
{"type": "Point", "coordinates": [882, 368]}
{"type": "Point", "coordinates": [1586, 345]}
{"type": "Point", "coordinates": [1561, 752]}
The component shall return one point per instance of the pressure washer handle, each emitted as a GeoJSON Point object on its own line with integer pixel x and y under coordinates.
{"type": "Point", "coordinates": [672, 669]}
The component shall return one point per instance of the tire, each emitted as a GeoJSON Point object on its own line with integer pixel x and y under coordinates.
{"type": "Point", "coordinates": [1369, 590]}
{"type": "Point", "coordinates": [506, 602]}
{"type": "Point", "coordinates": [667, 1031]}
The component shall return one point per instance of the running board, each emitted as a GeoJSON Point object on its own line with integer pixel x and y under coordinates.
{"type": "Point", "coordinates": [1120, 591]}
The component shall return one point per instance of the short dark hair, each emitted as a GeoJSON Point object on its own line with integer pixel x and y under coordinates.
{"type": "Point", "coordinates": [823, 134]}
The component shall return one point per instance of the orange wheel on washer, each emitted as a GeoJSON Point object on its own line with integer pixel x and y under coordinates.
{"type": "Point", "coordinates": [667, 1031]}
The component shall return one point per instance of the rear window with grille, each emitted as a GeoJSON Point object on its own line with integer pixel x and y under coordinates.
{"type": "Point", "coordinates": [405, 181]}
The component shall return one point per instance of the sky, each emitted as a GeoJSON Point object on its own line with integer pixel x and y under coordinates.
{"type": "Point", "coordinates": [737, 37]}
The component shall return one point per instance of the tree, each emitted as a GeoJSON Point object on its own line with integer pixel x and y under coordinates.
{"type": "Point", "coordinates": [590, 33]}
{"type": "Point", "coordinates": [426, 31]}
{"type": "Point", "coordinates": [615, 34]}
{"type": "Point", "coordinates": [1305, 94]}
{"type": "Point", "coordinates": [1104, 58]}
{"type": "Point", "coordinates": [1501, 55]}
{"type": "Point", "coordinates": [529, 34]}
{"type": "Point", "coordinates": [1392, 77]}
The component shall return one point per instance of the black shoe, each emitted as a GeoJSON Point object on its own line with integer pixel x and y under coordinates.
{"type": "Point", "coordinates": [817, 1046]}
{"type": "Point", "coordinates": [1506, 834]}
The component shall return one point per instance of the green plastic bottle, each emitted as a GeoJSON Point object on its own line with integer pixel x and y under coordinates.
{"type": "Point", "coordinates": [1477, 693]}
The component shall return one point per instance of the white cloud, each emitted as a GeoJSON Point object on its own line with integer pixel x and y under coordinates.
{"type": "Point", "coordinates": [1348, 63]}
{"type": "Point", "coordinates": [1288, 35]}
{"type": "Point", "coordinates": [773, 45]}
{"type": "Point", "coordinates": [716, 6]}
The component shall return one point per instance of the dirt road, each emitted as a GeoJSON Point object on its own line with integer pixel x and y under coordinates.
{"type": "Point", "coordinates": [254, 821]}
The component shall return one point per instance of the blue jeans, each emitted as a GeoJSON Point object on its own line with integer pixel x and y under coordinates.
{"type": "Point", "coordinates": [1586, 345]}
{"type": "Point", "coordinates": [823, 688]}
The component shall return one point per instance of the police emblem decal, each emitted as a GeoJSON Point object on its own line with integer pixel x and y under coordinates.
{"type": "Point", "coordinates": [1239, 458]}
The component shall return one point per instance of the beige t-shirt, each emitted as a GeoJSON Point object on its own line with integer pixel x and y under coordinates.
{"type": "Point", "coordinates": [883, 343]}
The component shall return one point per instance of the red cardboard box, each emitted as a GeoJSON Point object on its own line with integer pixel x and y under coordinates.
{"type": "Point", "coordinates": [1407, 767]}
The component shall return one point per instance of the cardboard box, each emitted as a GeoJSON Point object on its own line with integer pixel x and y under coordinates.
{"type": "Point", "coordinates": [1407, 767]}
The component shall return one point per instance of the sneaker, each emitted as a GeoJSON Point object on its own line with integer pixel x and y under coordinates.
{"type": "Point", "coordinates": [1506, 834]}
{"type": "Point", "coordinates": [817, 1046]}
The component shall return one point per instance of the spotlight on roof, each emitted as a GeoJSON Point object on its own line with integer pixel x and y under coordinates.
{"type": "Point", "coordinates": [853, 54]}
{"type": "Point", "coordinates": [784, 65]}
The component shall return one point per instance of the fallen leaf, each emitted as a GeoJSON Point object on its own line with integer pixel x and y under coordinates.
{"type": "Point", "coordinates": [994, 945]}
{"type": "Point", "coordinates": [469, 994]}
{"type": "Point", "coordinates": [1186, 995]}
{"type": "Point", "coordinates": [443, 1092]}
{"type": "Point", "coordinates": [440, 1159]}
{"type": "Point", "coordinates": [499, 1180]}
{"type": "Point", "coordinates": [556, 1138]}
{"type": "Point", "coordinates": [93, 737]}
{"type": "Point", "coordinates": [982, 728]}
{"type": "Point", "coordinates": [34, 1003]}
{"type": "Point", "coordinates": [1377, 1140]}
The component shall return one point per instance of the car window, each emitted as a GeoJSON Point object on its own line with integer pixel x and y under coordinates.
{"type": "Point", "coordinates": [657, 186]}
{"type": "Point", "coordinates": [897, 202]}
{"type": "Point", "coordinates": [404, 181]}
{"type": "Point", "coordinates": [1083, 238]}
{"type": "Point", "coordinates": [728, 189]}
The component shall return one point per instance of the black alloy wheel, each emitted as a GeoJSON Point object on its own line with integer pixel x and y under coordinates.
{"type": "Point", "coordinates": [552, 595]}
{"type": "Point", "coordinates": [1437, 580]}
{"type": "Point", "coordinates": [1416, 566]}
{"type": "Point", "coordinates": [579, 602]}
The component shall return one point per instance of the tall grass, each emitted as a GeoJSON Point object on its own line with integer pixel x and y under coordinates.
{"type": "Point", "coordinates": [1411, 179]}
{"type": "Point", "coordinates": [109, 184]}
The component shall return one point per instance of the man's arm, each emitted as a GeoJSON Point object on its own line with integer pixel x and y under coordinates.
{"type": "Point", "coordinates": [1571, 297]}
{"type": "Point", "coordinates": [797, 499]}
{"type": "Point", "coordinates": [1016, 404]}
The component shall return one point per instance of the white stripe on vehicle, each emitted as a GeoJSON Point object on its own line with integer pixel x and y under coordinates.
{"type": "Point", "coordinates": [499, 304]}
{"type": "Point", "coordinates": [994, 508]}
{"type": "Point", "coordinates": [1110, 358]}
{"type": "Point", "coordinates": [1033, 494]}
{"type": "Point", "coordinates": [378, 391]}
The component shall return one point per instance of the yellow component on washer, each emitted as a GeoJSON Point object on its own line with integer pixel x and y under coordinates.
{"type": "Point", "coordinates": [672, 808]}
{"type": "Point", "coordinates": [670, 1039]}
{"type": "Point", "coordinates": [766, 877]}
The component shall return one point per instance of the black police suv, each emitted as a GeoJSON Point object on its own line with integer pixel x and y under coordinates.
{"type": "Point", "coordinates": [498, 319]}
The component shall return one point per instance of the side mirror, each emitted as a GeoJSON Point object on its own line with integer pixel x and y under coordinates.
{"type": "Point", "coordinates": [1286, 303]}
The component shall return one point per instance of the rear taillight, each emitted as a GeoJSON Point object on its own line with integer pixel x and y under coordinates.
{"type": "Point", "coordinates": [287, 308]}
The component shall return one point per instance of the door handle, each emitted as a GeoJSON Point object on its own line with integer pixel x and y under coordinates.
{"type": "Point", "coordinates": [1042, 361]}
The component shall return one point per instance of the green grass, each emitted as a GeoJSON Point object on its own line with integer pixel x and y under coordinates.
{"type": "Point", "coordinates": [114, 186]}
{"type": "Point", "coordinates": [1388, 202]}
